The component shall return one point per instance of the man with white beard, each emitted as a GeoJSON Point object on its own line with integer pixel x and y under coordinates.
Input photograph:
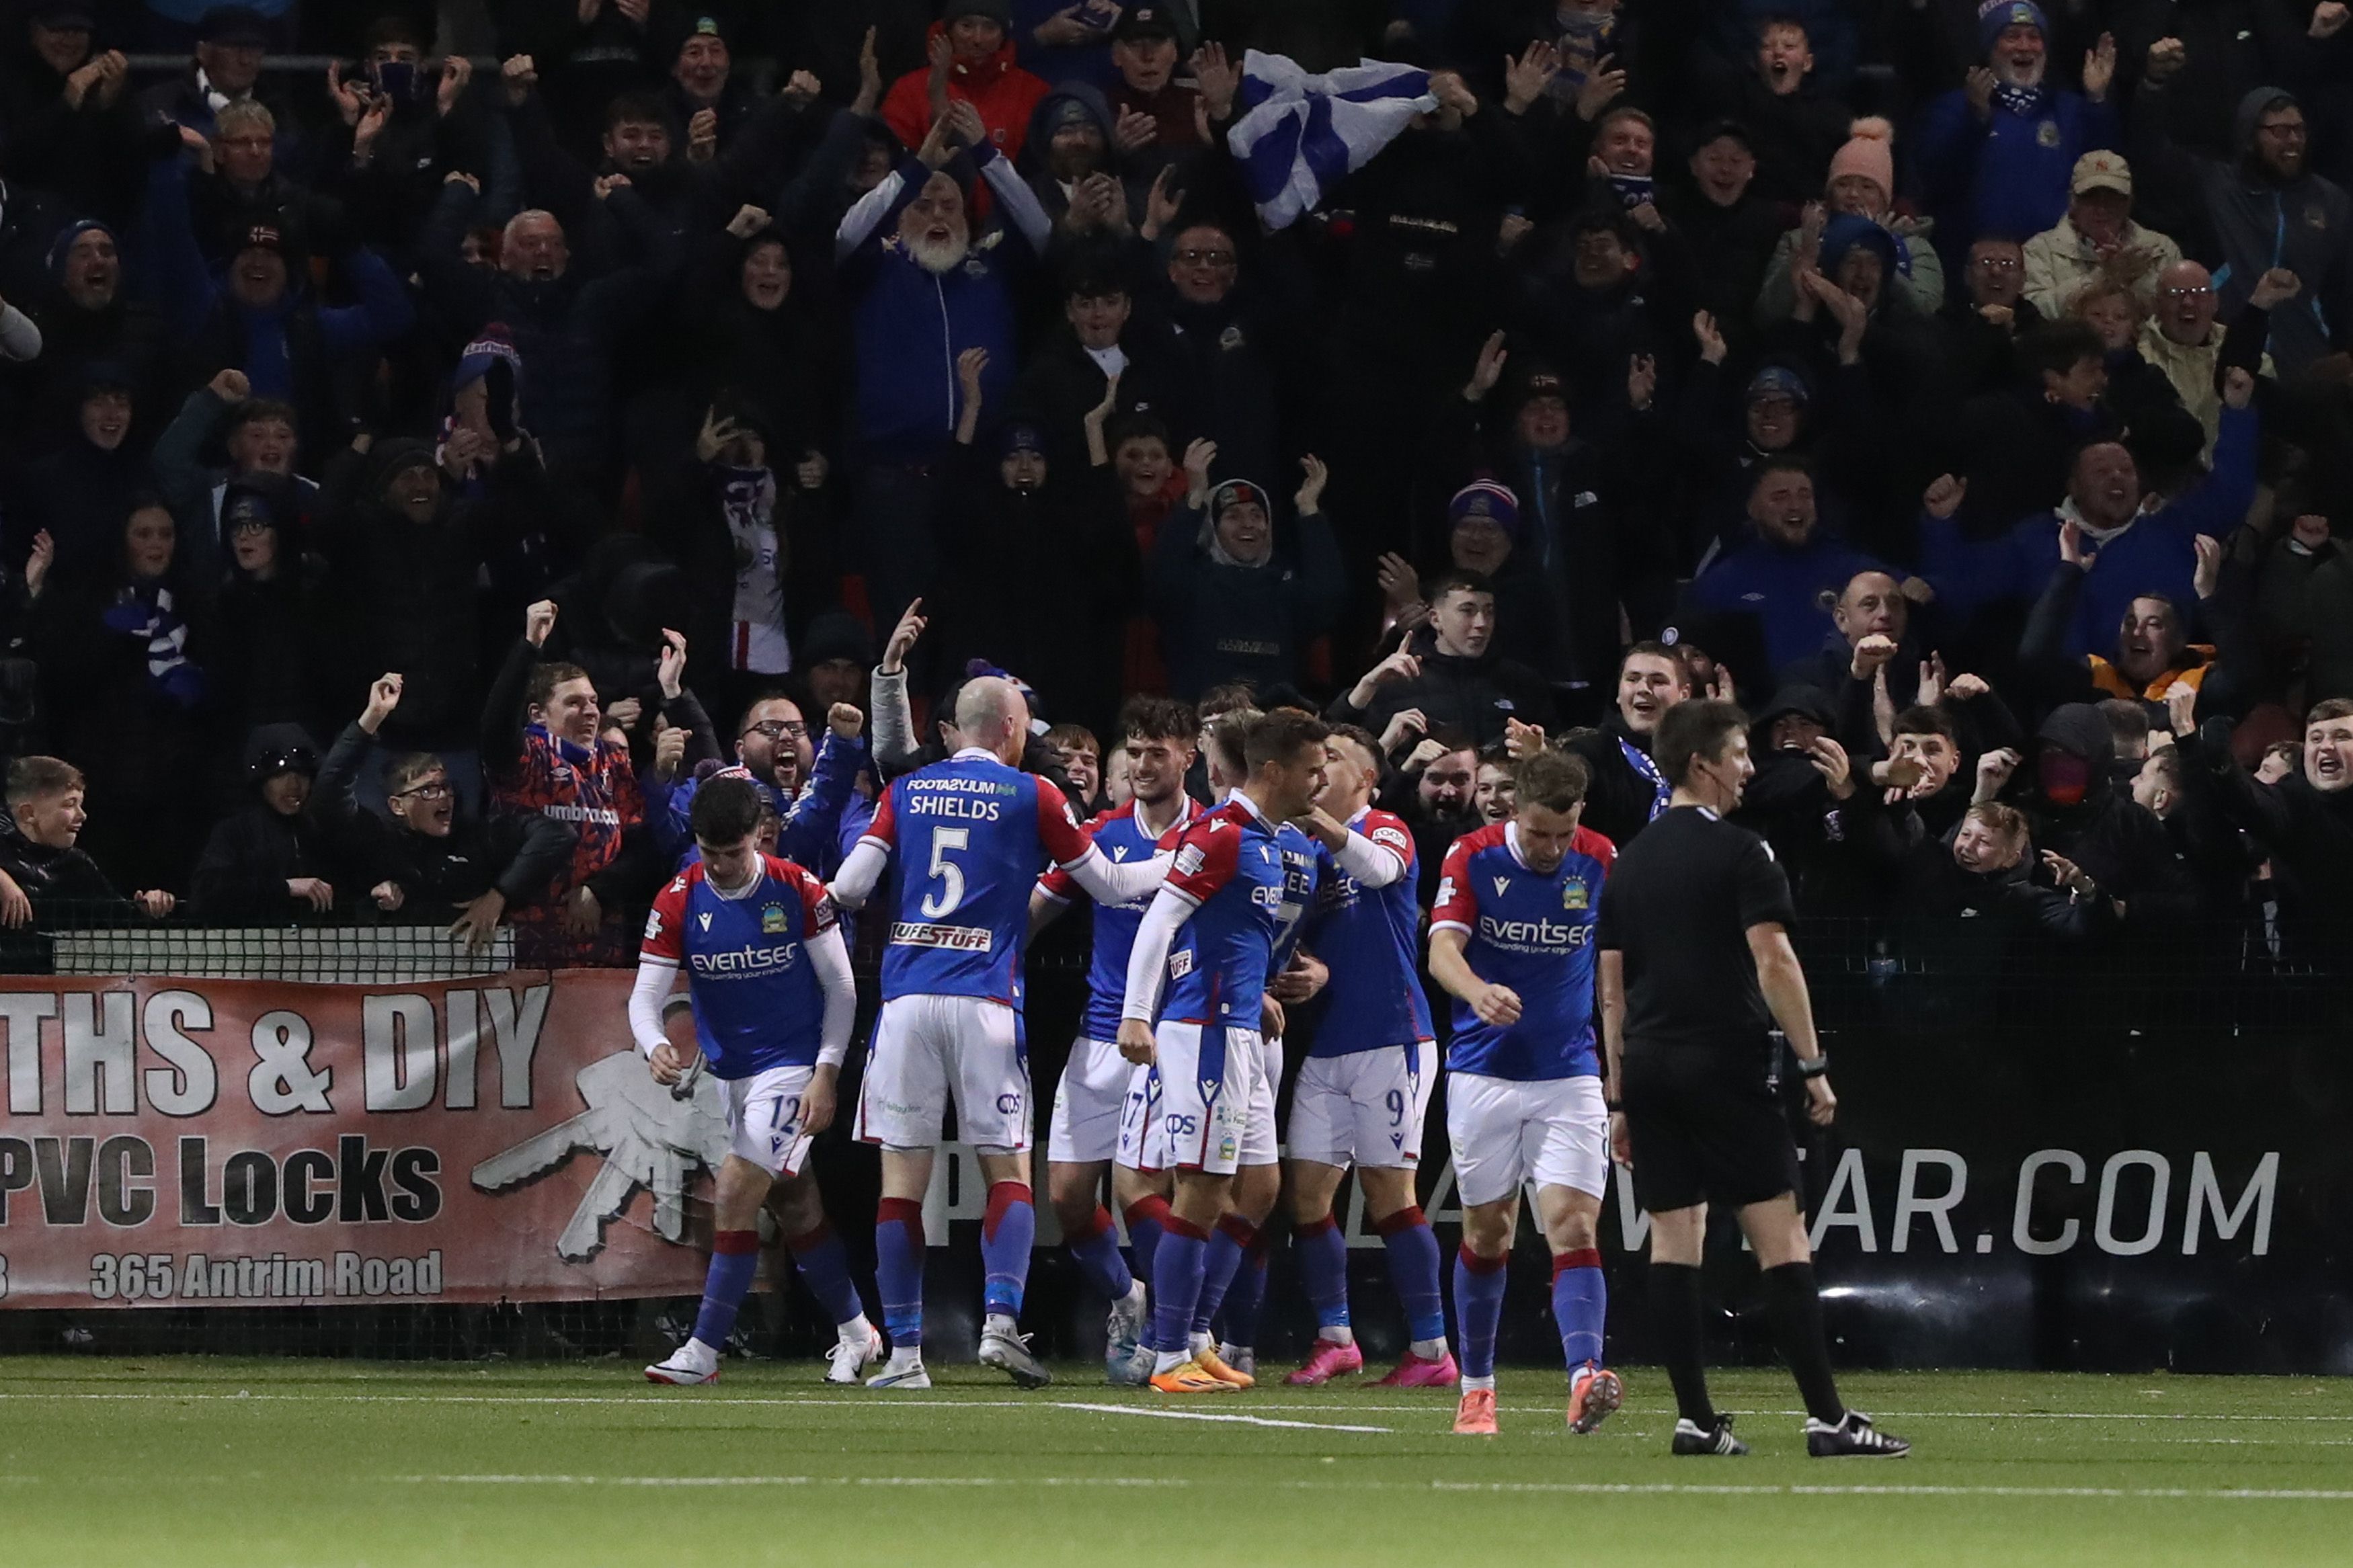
{"type": "Point", "coordinates": [928, 282]}
{"type": "Point", "coordinates": [1996, 155]}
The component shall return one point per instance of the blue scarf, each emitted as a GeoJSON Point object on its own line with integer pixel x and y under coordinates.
{"type": "Point", "coordinates": [2027, 100]}
{"type": "Point", "coordinates": [1640, 761]}
{"type": "Point", "coordinates": [146, 613]}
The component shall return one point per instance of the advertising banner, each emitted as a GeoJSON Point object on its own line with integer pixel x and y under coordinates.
{"type": "Point", "coordinates": [217, 1142]}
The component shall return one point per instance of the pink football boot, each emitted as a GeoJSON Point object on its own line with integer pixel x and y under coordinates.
{"type": "Point", "coordinates": [1331, 1360]}
{"type": "Point", "coordinates": [1416, 1372]}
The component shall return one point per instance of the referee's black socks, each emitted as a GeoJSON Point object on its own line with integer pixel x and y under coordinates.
{"type": "Point", "coordinates": [1677, 1327]}
{"type": "Point", "coordinates": [1795, 1309]}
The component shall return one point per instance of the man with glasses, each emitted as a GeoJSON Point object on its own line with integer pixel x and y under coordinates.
{"type": "Point", "coordinates": [1221, 353]}
{"type": "Point", "coordinates": [2185, 341]}
{"type": "Point", "coordinates": [2266, 209]}
{"type": "Point", "coordinates": [422, 862]}
{"type": "Point", "coordinates": [1981, 329]}
{"type": "Point", "coordinates": [807, 789]}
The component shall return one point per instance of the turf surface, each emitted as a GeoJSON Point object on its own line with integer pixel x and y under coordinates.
{"type": "Point", "coordinates": [197, 1462]}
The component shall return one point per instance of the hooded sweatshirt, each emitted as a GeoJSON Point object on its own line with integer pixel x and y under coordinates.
{"type": "Point", "coordinates": [2078, 813]}
{"type": "Point", "coordinates": [2260, 223]}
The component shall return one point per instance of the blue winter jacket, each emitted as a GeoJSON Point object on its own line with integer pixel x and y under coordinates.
{"type": "Point", "coordinates": [2154, 554]}
{"type": "Point", "coordinates": [910, 324]}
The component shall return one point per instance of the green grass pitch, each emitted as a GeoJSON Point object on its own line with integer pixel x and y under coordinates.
{"type": "Point", "coordinates": [260, 1463]}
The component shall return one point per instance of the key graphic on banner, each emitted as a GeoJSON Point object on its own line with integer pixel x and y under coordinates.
{"type": "Point", "coordinates": [648, 1139]}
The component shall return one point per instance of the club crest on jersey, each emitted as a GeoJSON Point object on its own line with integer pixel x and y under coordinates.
{"type": "Point", "coordinates": [1573, 895]}
{"type": "Point", "coordinates": [771, 919]}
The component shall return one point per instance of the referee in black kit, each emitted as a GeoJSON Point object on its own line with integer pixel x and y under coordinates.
{"type": "Point", "coordinates": [1696, 969]}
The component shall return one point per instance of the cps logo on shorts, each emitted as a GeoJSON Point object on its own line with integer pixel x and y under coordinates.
{"type": "Point", "coordinates": [1008, 1104]}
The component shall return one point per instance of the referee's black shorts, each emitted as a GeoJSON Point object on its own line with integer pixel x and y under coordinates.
{"type": "Point", "coordinates": [1707, 1128]}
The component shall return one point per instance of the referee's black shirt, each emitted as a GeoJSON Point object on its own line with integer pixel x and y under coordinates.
{"type": "Point", "coordinates": [1678, 905]}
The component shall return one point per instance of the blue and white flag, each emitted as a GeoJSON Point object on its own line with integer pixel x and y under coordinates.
{"type": "Point", "coordinates": [1301, 132]}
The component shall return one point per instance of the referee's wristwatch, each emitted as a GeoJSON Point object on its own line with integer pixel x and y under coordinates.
{"type": "Point", "coordinates": [1816, 1068]}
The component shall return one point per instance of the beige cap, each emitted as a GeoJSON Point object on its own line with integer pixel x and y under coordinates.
{"type": "Point", "coordinates": [2101, 171]}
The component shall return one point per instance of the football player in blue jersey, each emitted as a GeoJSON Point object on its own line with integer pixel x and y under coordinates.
{"type": "Point", "coordinates": [1093, 1098]}
{"type": "Point", "coordinates": [1364, 1091]}
{"type": "Point", "coordinates": [970, 835]}
{"type": "Point", "coordinates": [1233, 1266]}
{"type": "Point", "coordinates": [773, 998]}
{"type": "Point", "coordinates": [1226, 895]}
{"type": "Point", "coordinates": [1511, 939]}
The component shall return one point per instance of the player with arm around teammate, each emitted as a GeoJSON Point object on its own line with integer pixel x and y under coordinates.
{"type": "Point", "coordinates": [1364, 1091]}
{"type": "Point", "coordinates": [774, 1000]}
{"type": "Point", "coordinates": [1511, 939]}
{"type": "Point", "coordinates": [1233, 1262]}
{"type": "Point", "coordinates": [970, 834]}
{"type": "Point", "coordinates": [1225, 897]}
{"type": "Point", "coordinates": [1696, 968]}
{"type": "Point", "coordinates": [1095, 1096]}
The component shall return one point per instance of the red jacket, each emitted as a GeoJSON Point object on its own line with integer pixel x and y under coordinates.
{"type": "Point", "coordinates": [1005, 94]}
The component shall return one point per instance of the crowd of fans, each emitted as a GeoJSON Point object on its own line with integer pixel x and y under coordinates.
{"type": "Point", "coordinates": [415, 475]}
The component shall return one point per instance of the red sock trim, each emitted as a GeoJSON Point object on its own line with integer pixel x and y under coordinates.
{"type": "Point", "coordinates": [733, 1242]}
{"type": "Point", "coordinates": [1405, 1218]}
{"type": "Point", "coordinates": [1314, 1227]}
{"type": "Point", "coordinates": [1177, 1225]}
{"type": "Point", "coordinates": [1002, 1196]}
{"type": "Point", "coordinates": [1097, 1223]}
{"type": "Point", "coordinates": [906, 1212]}
{"type": "Point", "coordinates": [1240, 1229]}
{"type": "Point", "coordinates": [1583, 1257]}
{"type": "Point", "coordinates": [1151, 1207]}
{"type": "Point", "coordinates": [817, 1235]}
{"type": "Point", "coordinates": [1478, 1265]}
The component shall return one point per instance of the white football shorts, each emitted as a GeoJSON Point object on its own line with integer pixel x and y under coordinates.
{"type": "Point", "coordinates": [926, 1049]}
{"type": "Point", "coordinates": [1366, 1108]}
{"type": "Point", "coordinates": [1088, 1103]}
{"type": "Point", "coordinates": [763, 1118]}
{"type": "Point", "coordinates": [1511, 1132]}
{"type": "Point", "coordinates": [1209, 1074]}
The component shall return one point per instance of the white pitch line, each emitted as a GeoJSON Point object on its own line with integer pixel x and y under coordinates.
{"type": "Point", "coordinates": [1564, 1489]}
{"type": "Point", "coordinates": [1161, 1414]}
{"type": "Point", "coordinates": [568, 1480]}
{"type": "Point", "coordinates": [1603, 1488]}
{"type": "Point", "coordinates": [360, 1395]}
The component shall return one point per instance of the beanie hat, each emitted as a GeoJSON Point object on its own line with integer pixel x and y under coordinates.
{"type": "Point", "coordinates": [1238, 492]}
{"type": "Point", "coordinates": [1485, 499]}
{"type": "Point", "coordinates": [1023, 435]}
{"type": "Point", "coordinates": [492, 345]}
{"type": "Point", "coordinates": [1777, 380]}
{"type": "Point", "coordinates": [1996, 16]}
{"type": "Point", "coordinates": [62, 246]}
{"type": "Point", "coordinates": [997, 11]}
{"type": "Point", "coordinates": [1869, 153]}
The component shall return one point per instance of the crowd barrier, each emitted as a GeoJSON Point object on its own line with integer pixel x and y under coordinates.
{"type": "Point", "coordinates": [393, 1146]}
